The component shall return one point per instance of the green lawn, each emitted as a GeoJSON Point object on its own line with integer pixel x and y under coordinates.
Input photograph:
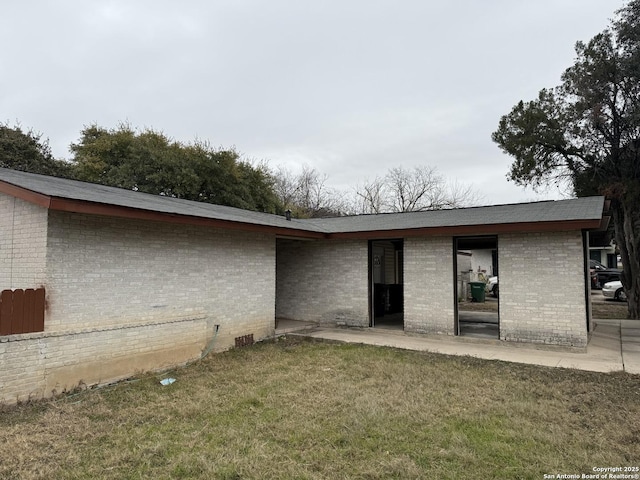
{"type": "Point", "coordinates": [296, 409]}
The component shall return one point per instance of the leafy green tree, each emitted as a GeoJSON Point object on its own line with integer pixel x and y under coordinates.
{"type": "Point", "coordinates": [28, 152]}
{"type": "Point", "coordinates": [149, 161]}
{"type": "Point", "coordinates": [587, 131]}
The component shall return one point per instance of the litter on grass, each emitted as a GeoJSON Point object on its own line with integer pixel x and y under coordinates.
{"type": "Point", "coordinates": [167, 381]}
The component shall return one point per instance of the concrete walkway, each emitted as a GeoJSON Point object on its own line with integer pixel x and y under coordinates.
{"type": "Point", "coordinates": [614, 345]}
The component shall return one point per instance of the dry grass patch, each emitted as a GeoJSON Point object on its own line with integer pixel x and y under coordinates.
{"type": "Point", "coordinates": [600, 309]}
{"type": "Point", "coordinates": [609, 309]}
{"type": "Point", "coordinates": [489, 305]}
{"type": "Point", "coordinates": [303, 409]}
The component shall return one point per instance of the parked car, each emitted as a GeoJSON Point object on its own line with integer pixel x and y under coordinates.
{"type": "Point", "coordinates": [492, 286]}
{"type": "Point", "coordinates": [601, 274]}
{"type": "Point", "coordinates": [614, 290]}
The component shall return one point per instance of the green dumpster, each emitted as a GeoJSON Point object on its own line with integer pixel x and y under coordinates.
{"type": "Point", "coordinates": [477, 291]}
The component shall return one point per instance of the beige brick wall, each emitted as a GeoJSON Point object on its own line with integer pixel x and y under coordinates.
{"type": "Point", "coordinates": [107, 271]}
{"type": "Point", "coordinates": [41, 364]}
{"type": "Point", "coordinates": [23, 241]}
{"type": "Point", "coordinates": [127, 295]}
{"type": "Point", "coordinates": [428, 285]}
{"type": "Point", "coordinates": [323, 281]}
{"type": "Point", "coordinates": [542, 288]}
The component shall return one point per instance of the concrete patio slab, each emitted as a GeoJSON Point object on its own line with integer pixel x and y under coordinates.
{"type": "Point", "coordinates": [614, 345]}
{"type": "Point", "coordinates": [284, 326]}
{"type": "Point", "coordinates": [630, 339]}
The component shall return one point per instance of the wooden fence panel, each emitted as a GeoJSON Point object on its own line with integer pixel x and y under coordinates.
{"type": "Point", "coordinates": [22, 311]}
{"type": "Point", "coordinates": [29, 310]}
{"type": "Point", "coordinates": [38, 313]}
{"type": "Point", "coordinates": [6, 306]}
{"type": "Point", "coordinates": [17, 314]}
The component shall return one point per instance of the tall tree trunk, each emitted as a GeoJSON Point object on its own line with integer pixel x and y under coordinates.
{"type": "Point", "coordinates": [626, 218]}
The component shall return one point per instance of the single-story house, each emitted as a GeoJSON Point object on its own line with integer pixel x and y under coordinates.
{"type": "Point", "coordinates": [127, 281]}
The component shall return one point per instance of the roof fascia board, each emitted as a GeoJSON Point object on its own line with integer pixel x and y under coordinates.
{"type": "Point", "coordinates": [27, 195]}
{"type": "Point", "coordinates": [81, 206]}
{"type": "Point", "coordinates": [491, 229]}
{"type": "Point", "coordinates": [604, 223]}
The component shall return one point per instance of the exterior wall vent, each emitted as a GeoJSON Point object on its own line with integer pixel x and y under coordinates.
{"type": "Point", "coordinates": [244, 341]}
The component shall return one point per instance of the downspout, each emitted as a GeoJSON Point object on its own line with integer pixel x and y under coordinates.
{"type": "Point", "coordinates": [211, 343]}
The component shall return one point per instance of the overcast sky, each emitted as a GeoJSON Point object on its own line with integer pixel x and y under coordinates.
{"type": "Point", "coordinates": [350, 87]}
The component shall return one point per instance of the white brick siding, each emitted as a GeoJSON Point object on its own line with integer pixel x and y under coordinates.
{"type": "Point", "coordinates": [125, 295]}
{"type": "Point", "coordinates": [130, 271]}
{"type": "Point", "coordinates": [428, 285]}
{"type": "Point", "coordinates": [41, 364]}
{"type": "Point", "coordinates": [542, 288]}
{"type": "Point", "coordinates": [323, 281]}
{"type": "Point", "coordinates": [23, 242]}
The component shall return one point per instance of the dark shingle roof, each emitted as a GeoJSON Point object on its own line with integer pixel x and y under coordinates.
{"type": "Point", "coordinates": [101, 194]}
{"type": "Point", "coordinates": [579, 209]}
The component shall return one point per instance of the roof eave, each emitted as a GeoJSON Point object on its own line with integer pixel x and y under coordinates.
{"type": "Point", "coordinates": [95, 208]}
{"type": "Point", "coordinates": [459, 230]}
{"type": "Point", "coordinates": [92, 208]}
{"type": "Point", "coordinates": [25, 194]}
